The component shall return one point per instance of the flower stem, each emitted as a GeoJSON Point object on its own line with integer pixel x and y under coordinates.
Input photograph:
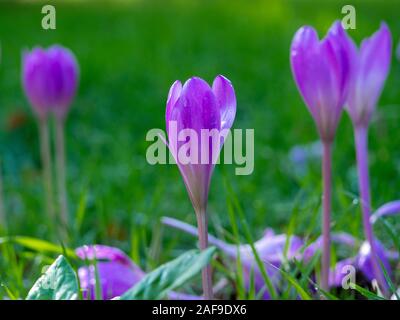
{"type": "Point", "coordinates": [203, 241]}
{"type": "Point", "coordinates": [326, 218]}
{"type": "Point", "coordinates": [361, 142]}
{"type": "Point", "coordinates": [46, 163]}
{"type": "Point", "coordinates": [61, 180]}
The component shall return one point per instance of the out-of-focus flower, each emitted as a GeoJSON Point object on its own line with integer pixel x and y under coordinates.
{"type": "Point", "coordinates": [362, 262]}
{"type": "Point", "coordinates": [196, 106]}
{"type": "Point", "coordinates": [116, 272]}
{"type": "Point", "coordinates": [388, 209]}
{"type": "Point", "coordinates": [301, 155]}
{"type": "Point", "coordinates": [370, 65]}
{"type": "Point", "coordinates": [322, 73]}
{"type": "Point", "coordinates": [50, 79]}
{"type": "Point", "coordinates": [272, 249]}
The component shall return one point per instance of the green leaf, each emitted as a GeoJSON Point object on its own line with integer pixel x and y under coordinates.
{"type": "Point", "coordinates": [169, 276]}
{"type": "Point", "coordinates": [37, 245]}
{"type": "Point", "coordinates": [59, 282]}
{"type": "Point", "coordinates": [366, 293]}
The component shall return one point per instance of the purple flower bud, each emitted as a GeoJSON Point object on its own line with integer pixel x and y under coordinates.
{"type": "Point", "coordinates": [322, 72]}
{"type": "Point", "coordinates": [196, 107]}
{"type": "Point", "coordinates": [50, 79]}
{"type": "Point", "coordinates": [370, 66]}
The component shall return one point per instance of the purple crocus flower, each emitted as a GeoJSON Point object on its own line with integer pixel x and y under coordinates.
{"type": "Point", "coordinates": [196, 106]}
{"type": "Point", "coordinates": [197, 119]}
{"type": "Point", "coordinates": [371, 64]}
{"type": "Point", "coordinates": [322, 71]}
{"type": "Point", "coordinates": [117, 273]}
{"type": "Point", "coordinates": [50, 78]}
{"type": "Point", "coordinates": [370, 67]}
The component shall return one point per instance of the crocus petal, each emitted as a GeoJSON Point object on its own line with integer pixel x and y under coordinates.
{"type": "Point", "coordinates": [340, 271]}
{"type": "Point", "coordinates": [103, 252]}
{"type": "Point", "coordinates": [49, 79]}
{"type": "Point", "coordinates": [388, 209]}
{"type": "Point", "coordinates": [114, 277]}
{"type": "Point", "coordinates": [225, 95]}
{"type": "Point", "coordinates": [196, 109]}
{"type": "Point", "coordinates": [364, 262]}
{"type": "Point", "coordinates": [117, 273]}
{"type": "Point", "coordinates": [322, 72]}
{"type": "Point", "coordinates": [372, 67]}
{"type": "Point", "coordinates": [173, 95]}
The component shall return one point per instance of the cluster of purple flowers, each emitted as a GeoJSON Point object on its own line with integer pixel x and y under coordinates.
{"type": "Point", "coordinates": [331, 74]}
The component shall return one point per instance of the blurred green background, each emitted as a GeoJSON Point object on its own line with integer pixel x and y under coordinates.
{"type": "Point", "coordinates": [130, 52]}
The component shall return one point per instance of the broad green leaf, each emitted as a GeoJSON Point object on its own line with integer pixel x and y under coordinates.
{"type": "Point", "coordinates": [59, 282]}
{"type": "Point", "coordinates": [169, 276]}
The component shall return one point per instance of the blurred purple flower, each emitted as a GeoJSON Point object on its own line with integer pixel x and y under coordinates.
{"type": "Point", "coordinates": [388, 209]}
{"type": "Point", "coordinates": [197, 106]}
{"type": "Point", "coordinates": [322, 72]}
{"type": "Point", "coordinates": [301, 155]}
{"type": "Point", "coordinates": [370, 67]}
{"type": "Point", "coordinates": [117, 273]}
{"type": "Point", "coordinates": [271, 249]}
{"type": "Point", "coordinates": [370, 64]}
{"type": "Point", "coordinates": [50, 79]}
{"type": "Point", "coordinates": [362, 262]}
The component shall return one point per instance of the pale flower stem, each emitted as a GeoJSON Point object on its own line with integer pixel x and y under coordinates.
{"type": "Point", "coordinates": [46, 164]}
{"type": "Point", "coordinates": [326, 217]}
{"type": "Point", "coordinates": [203, 242]}
{"type": "Point", "coordinates": [61, 178]}
{"type": "Point", "coordinates": [361, 142]}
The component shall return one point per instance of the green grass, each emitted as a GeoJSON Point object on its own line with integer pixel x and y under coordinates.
{"type": "Point", "coordinates": [129, 55]}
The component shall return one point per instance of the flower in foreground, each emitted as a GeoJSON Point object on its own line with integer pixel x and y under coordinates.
{"type": "Point", "coordinates": [50, 80]}
{"type": "Point", "coordinates": [193, 111]}
{"type": "Point", "coordinates": [370, 66]}
{"type": "Point", "coordinates": [117, 273]}
{"type": "Point", "coordinates": [322, 72]}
